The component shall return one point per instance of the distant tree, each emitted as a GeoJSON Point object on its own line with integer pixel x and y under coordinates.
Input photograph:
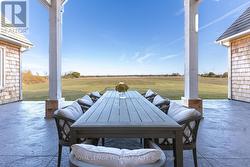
{"type": "Point", "coordinates": [76, 74]}
{"type": "Point", "coordinates": [225, 75]}
{"type": "Point", "coordinates": [72, 75]}
{"type": "Point", "coordinates": [29, 78]}
{"type": "Point", "coordinates": [175, 74]}
{"type": "Point", "coordinates": [211, 74]}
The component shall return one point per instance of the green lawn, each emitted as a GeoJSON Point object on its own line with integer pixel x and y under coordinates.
{"type": "Point", "coordinates": [171, 87]}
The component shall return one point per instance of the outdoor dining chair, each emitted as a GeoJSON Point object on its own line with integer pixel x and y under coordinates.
{"type": "Point", "coordinates": [85, 102]}
{"type": "Point", "coordinates": [161, 103]}
{"type": "Point", "coordinates": [95, 95]}
{"type": "Point", "coordinates": [64, 118]}
{"type": "Point", "coordinates": [149, 95]}
{"type": "Point", "coordinates": [110, 155]}
{"type": "Point", "coordinates": [189, 119]}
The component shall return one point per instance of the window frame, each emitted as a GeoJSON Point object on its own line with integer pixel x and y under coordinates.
{"type": "Point", "coordinates": [2, 69]}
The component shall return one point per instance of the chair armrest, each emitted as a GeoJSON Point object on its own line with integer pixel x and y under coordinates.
{"type": "Point", "coordinates": [164, 108]}
{"type": "Point", "coordinates": [165, 102]}
{"type": "Point", "coordinates": [58, 117]}
{"type": "Point", "coordinates": [190, 120]}
{"type": "Point", "coordinates": [84, 108]}
{"type": "Point", "coordinates": [83, 104]}
{"type": "Point", "coordinates": [91, 95]}
{"type": "Point", "coordinates": [150, 98]}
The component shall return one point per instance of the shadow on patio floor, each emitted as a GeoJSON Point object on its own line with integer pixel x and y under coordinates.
{"type": "Point", "coordinates": [27, 139]}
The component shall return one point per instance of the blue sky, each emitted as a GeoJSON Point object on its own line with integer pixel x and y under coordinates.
{"type": "Point", "coordinates": [130, 36]}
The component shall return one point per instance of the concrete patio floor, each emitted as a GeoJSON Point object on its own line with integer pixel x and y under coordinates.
{"type": "Point", "coordinates": [27, 139]}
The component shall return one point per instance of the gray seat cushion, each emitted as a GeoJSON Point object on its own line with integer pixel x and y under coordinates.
{"type": "Point", "coordinates": [158, 100]}
{"type": "Point", "coordinates": [75, 162]}
{"type": "Point", "coordinates": [149, 93]}
{"type": "Point", "coordinates": [96, 94]}
{"type": "Point", "coordinates": [181, 114]}
{"type": "Point", "coordinates": [73, 111]}
{"type": "Point", "coordinates": [85, 100]}
{"type": "Point", "coordinates": [113, 157]}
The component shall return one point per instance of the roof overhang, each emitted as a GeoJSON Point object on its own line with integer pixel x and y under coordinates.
{"type": "Point", "coordinates": [23, 45]}
{"type": "Point", "coordinates": [226, 41]}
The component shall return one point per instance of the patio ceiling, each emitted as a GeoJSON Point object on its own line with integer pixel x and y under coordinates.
{"type": "Point", "coordinates": [191, 98]}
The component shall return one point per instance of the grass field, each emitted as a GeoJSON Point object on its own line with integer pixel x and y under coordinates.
{"type": "Point", "coordinates": [170, 87]}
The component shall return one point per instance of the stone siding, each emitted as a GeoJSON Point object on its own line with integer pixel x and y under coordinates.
{"type": "Point", "coordinates": [11, 90]}
{"type": "Point", "coordinates": [240, 55]}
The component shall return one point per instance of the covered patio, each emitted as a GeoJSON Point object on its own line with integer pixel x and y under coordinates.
{"type": "Point", "coordinates": [89, 126]}
{"type": "Point", "coordinates": [191, 29]}
{"type": "Point", "coordinates": [32, 140]}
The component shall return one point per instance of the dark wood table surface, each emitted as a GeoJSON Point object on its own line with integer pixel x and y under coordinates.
{"type": "Point", "coordinates": [114, 116]}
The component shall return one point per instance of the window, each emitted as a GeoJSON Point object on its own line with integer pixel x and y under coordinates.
{"type": "Point", "coordinates": [2, 68]}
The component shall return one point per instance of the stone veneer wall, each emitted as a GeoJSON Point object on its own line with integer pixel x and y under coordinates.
{"type": "Point", "coordinates": [240, 55]}
{"type": "Point", "coordinates": [11, 90]}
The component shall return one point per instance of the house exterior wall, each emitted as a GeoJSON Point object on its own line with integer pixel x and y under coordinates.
{"type": "Point", "coordinates": [240, 69]}
{"type": "Point", "coordinates": [11, 91]}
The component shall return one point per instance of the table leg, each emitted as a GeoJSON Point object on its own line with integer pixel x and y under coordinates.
{"type": "Point", "coordinates": [174, 151]}
{"type": "Point", "coordinates": [178, 149]}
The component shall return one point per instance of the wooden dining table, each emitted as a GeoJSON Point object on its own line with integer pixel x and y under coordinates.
{"type": "Point", "coordinates": [127, 115]}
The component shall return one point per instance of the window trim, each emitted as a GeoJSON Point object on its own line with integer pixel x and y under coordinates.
{"type": "Point", "coordinates": [3, 70]}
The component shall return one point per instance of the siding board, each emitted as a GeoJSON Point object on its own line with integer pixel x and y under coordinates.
{"type": "Point", "coordinates": [241, 69]}
{"type": "Point", "coordinates": [11, 90]}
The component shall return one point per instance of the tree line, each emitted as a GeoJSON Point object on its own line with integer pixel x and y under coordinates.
{"type": "Point", "coordinates": [30, 78]}
{"type": "Point", "coordinates": [209, 74]}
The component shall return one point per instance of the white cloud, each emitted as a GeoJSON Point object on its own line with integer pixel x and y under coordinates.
{"type": "Point", "coordinates": [142, 59]}
{"type": "Point", "coordinates": [137, 54]}
{"type": "Point", "coordinates": [231, 12]}
{"type": "Point", "coordinates": [179, 12]}
{"type": "Point", "coordinates": [168, 57]}
{"type": "Point", "coordinates": [176, 40]}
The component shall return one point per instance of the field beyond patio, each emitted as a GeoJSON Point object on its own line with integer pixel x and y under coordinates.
{"type": "Point", "coordinates": [169, 87]}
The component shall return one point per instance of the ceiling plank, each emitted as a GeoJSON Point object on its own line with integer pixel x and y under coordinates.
{"type": "Point", "coordinates": [64, 2]}
{"type": "Point", "coordinates": [46, 3]}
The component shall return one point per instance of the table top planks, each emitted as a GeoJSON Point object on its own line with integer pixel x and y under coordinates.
{"type": "Point", "coordinates": [133, 111]}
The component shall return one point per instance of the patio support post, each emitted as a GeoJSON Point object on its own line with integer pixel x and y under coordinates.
{"type": "Point", "coordinates": [229, 72]}
{"type": "Point", "coordinates": [55, 39]}
{"type": "Point", "coordinates": [191, 98]}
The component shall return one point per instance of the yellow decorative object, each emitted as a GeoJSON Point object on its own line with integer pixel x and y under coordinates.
{"type": "Point", "coordinates": [121, 87]}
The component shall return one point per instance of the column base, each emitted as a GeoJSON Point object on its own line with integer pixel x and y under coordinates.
{"type": "Point", "coordinates": [193, 103]}
{"type": "Point", "coordinates": [51, 106]}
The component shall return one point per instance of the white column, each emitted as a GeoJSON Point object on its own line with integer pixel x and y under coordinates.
{"type": "Point", "coordinates": [55, 21]}
{"type": "Point", "coordinates": [191, 97]}
{"type": "Point", "coordinates": [229, 73]}
{"type": "Point", "coordinates": [191, 49]}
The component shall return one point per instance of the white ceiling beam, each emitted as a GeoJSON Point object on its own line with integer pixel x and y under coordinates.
{"type": "Point", "coordinates": [64, 2]}
{"type": "Point", "coordinates": [46, 3]}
